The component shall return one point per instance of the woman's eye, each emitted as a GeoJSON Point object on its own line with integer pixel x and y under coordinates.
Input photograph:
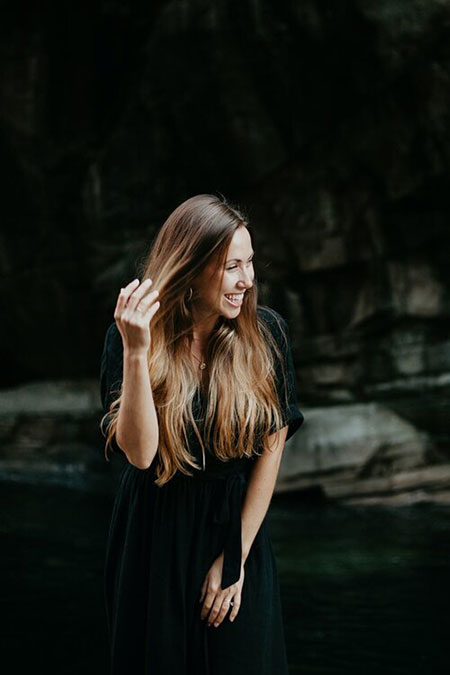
{"type": "Point", "coordinates": [250, 262]}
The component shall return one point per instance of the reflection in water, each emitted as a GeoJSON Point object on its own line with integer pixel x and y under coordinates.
{"type": "Point", "coordinates": [364, 589]}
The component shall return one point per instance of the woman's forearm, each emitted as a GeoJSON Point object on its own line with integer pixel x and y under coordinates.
{"type": "Point", "coordinates": [137, 432]}
{"type": "Point", "coordinates": [260, 490]}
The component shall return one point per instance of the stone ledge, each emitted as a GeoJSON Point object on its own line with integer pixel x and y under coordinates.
{"type": "Point", "coordinates": [431, 483]}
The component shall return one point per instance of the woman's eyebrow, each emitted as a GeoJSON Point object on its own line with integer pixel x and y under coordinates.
{"type": "Point", "coordinates": [239, 260]}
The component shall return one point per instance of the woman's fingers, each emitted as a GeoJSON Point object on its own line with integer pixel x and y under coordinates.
{"type": "Point", "coordinates": [207, 604]}
{"type": "Point", "coordinates": [132, 298]}
{"type": "Point", "coordinates": [215, 609]}
{"type": "Point", "coordinates": [123, 298]}
{"type": "Point", "coordinates": [235, 607]}
{"type": "Point", "coordinates": [137, 293]}
{"type": "Point", "coordinates": [218, 617]}
{"type": "Point", "coordinates": [216, 606]}
{"type": "Point", "coordinates": [152, 310]}
{"type": "Point", "coordinates": [134, 310]}
{"type": "Point", "coordinates": [148, 303]}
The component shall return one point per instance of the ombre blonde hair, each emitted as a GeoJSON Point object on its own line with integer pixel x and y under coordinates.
{"type": "Point", "coordinates": [242, 405]}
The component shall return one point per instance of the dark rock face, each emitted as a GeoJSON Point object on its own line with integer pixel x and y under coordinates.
{"type": "Point", "coordinates": [327, 121]}
{"type": "Point", "coordinates": [68, 72]}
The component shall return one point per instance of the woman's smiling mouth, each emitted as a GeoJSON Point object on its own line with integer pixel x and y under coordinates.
{"type": "Point", "coordinates": [235, 299]}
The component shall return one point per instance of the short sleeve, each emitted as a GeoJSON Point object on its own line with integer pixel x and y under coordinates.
{"type": "Point", "coordinates": [111, 374]}
{"type": "Point", "coordinates": [285, 382]}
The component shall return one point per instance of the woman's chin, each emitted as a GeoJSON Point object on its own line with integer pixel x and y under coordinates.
{"type": "Point", "coordinates": [232, 307]}
{"type": "Point", "coordinates": [231, 312]}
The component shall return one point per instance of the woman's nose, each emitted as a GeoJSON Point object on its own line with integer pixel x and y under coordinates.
{"type": "Point", "coordinates": [246, 279]}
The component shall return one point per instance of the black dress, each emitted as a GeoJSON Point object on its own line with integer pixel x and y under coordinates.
{"type": "Point", "coordinates": [163, 540]}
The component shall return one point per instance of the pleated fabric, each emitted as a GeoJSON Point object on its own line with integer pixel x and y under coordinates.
{"type": "Point", "coordinates": [163, 540]}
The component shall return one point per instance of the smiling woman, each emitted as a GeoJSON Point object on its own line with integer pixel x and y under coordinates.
{"type": "Point", "coordinates": [227, 290]}
{"type": "Point", "coordinates": [198, 389]}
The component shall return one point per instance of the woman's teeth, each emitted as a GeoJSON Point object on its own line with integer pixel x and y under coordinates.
{"type": "Point", "coordinates": [235, 299]}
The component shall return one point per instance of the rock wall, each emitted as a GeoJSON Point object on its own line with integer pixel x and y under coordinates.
{"type": "Point", "coordinates": [328, 122]}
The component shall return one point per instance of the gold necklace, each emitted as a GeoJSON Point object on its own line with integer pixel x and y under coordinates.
{"type": "Point", "coordinates": [202, 365]}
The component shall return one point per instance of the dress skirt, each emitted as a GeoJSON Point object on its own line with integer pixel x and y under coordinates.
{"type": "Point", "coordinates": [161, 543]}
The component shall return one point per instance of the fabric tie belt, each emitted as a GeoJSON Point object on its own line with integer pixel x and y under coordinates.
{"type": "Point", "coordinates": [227, 513]}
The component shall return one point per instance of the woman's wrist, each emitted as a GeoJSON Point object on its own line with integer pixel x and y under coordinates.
{"type": "Point", "coordinates": [134, 354]}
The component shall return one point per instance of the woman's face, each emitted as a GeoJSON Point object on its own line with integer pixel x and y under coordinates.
{"type": "Point", "coordinates": [224, 296]}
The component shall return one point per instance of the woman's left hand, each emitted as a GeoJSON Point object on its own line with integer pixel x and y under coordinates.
{"type": "Point", "coordinates": [216, 602]}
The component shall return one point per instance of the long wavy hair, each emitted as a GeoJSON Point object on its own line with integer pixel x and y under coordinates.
{"type": "Point", "coordinates": [241, 402]}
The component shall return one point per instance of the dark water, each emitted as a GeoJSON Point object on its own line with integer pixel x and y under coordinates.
{"type": "Point", "coordinates": [365, 589]}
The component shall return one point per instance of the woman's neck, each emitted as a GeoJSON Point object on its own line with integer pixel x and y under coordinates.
{"type": "Point", "coordinates": [202, 327]}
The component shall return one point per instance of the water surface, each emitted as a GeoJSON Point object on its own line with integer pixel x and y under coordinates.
{"type": "Point", "coordinates": [364, 589]}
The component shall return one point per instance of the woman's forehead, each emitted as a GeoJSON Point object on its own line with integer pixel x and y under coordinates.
{"type": "Point", "coordinates": [241, 244]}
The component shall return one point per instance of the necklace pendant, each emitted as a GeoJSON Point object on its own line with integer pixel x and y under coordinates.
{"type": "Point", "coordinates": [202, 365]}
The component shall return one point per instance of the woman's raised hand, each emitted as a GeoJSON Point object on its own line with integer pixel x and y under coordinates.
{"type": "Point", "coordinates": [134, 313]}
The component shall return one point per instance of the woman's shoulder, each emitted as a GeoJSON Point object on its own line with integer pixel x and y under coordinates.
{"type": "Point", "coordinates": [273, 319]}
{"type": "Point", "coordinates": [268, 313]}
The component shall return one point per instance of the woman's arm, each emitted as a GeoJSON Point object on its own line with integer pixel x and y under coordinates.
{"type": "Point", "coordinates": [258, 495]}
{"type": "Point", "coordinates": [137, 431]}
{"type": "Point", "coordinates": [260, 489]}
{"type": "Point", "coordinates": [264, 473]}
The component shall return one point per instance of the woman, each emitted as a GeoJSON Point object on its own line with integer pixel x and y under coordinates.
{"type": "Point", "coordinates": [198, 390]}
